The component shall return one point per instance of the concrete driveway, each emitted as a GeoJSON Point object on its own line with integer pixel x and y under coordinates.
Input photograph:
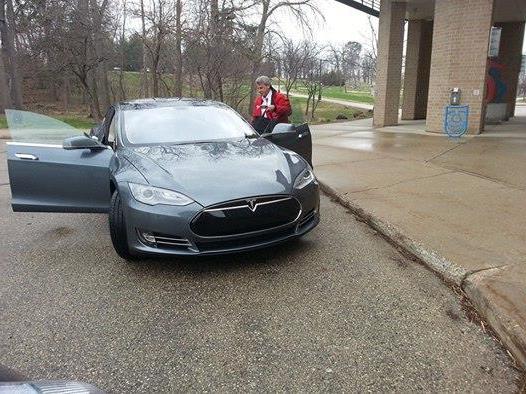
{"type": "Point", "coordinates": [340, 310]}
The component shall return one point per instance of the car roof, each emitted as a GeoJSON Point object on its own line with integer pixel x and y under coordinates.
{"type": "Point", "coordinates": [167, 102]}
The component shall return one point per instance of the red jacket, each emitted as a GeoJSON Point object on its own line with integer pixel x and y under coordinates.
{"type": "Point", "coordinates": [281, 112]}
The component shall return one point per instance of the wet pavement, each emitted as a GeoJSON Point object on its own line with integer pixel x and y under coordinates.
{"type": "Point", "coordinates": [339, 310]}
{"type": "Point", "coordinates": [458, 204]}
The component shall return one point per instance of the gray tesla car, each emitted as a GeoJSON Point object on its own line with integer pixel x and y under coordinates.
{"type": "Point", "coordinates": [177, 177]}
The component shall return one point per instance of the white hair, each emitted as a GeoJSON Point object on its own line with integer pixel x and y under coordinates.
{"type": "Point", "coordinates": [263, 80]}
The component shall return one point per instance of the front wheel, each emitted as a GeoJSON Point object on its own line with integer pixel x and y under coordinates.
{"type": "Point", "coordinates": [118, 227]}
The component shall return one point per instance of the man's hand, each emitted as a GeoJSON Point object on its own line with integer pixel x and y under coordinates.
{"type": "Point", "coordinates": [271, 107]}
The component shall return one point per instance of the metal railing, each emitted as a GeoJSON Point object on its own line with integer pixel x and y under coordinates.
{"type": "Point", "coordinates": [371, 7]}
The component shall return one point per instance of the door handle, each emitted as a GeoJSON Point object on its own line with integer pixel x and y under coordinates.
{"type": "Point", "coordinates": [25, 156]}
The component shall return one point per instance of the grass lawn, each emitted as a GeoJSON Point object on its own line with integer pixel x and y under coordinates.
{"type": "Point", "coordinates": [338, 92]}
{"type": "Point", "coordinates": [325, 112]}
{"type": "Point", "coordinates": [74, 121]}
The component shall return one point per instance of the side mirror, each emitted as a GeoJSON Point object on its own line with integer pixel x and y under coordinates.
{"type": "Point", "coordinates": [82, 142]}
{"type": "Point", "coordinates": [282, 128]}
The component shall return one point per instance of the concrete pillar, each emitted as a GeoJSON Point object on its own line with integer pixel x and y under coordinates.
{"type": "Point", "coordinates": [461, 32]}
{"type": "Point", "coordinates": [417, 66]}
{"type": "Point", "coordinates": [510, 52]}
{"type": "Point", "coordinates": [389, 63]}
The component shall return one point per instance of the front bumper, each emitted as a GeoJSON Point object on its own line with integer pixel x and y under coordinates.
{"type": "Point", "coordinates": [172, 225]}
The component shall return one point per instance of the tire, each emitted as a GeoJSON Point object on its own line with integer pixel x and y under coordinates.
{"type": "Point", "coordinates": [118, 227]}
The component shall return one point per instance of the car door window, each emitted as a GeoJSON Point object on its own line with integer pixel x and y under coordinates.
{"type": "Point", "coordinates": [31, 127]}
{"type": "Point", "coordinates": [105, 125]}
{"type": "Point", "coordinates": [111, 132]}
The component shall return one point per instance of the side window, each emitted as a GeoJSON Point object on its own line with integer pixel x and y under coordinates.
{"type": "Point", "coordinates": [111, 131]}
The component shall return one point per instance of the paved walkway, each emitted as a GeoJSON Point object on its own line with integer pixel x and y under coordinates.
{"type": "Point", "coordinates": [354, 104]}
{"type": "Point", "coordinates": [458, 205]}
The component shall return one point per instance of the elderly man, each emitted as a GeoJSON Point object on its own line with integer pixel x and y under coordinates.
{"type": "Point", "coordinates": [270, 106]}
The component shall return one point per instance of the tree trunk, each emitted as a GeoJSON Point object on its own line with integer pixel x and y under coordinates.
{"type": "Point", "coordinates": [65, 93]}
{"type": "Point", "coordinates": [155, 78]}
{"type": "Point", "coordinates": [178, 69]}
{"type": "Point", "coordinates": [215, 49]}
{"type": "Point", "coordinates": [257, 51]}
{"type": "Point", "coordinates": [104, 83]}
{"type": "Point", "coordinates": [5, 98]}
{"type": "Point", "coordinates": [7, 29]}
{"type": "Point", "coordinates": [92, 90]}
{"type": "Point", "coordinates": [144, 74]}
{"type": "Point", "coordinates": [101, 71]}
{"type": "Point", "coordinates": [155, 66]}
{"type": "Point", "coordinates": [122, 93]}
{"type": "Point", "coordinates": [54, 89]}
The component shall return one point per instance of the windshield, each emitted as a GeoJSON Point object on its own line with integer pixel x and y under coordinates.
{"type": "Point", "coordinates": [183, 124]}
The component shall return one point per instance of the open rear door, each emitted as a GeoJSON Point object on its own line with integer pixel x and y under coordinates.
{"type": "Point", "coordinates": [297, 138]}
{"type": "Point", "coordinates": [49, 178]}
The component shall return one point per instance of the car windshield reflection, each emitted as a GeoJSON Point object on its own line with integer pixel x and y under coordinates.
{"type": "Point", "coordinates": [179, 124]}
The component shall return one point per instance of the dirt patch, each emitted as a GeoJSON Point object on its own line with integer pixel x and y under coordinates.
{"type": "Point", "coordinates": [60, 232]}
{"type": "Point", "coordinates": [400, 261]}
{"type": "Point", "coordinates": [452, 315]}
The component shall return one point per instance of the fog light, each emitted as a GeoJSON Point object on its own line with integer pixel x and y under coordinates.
{"type": "Point", "coordinates": [148, 237]}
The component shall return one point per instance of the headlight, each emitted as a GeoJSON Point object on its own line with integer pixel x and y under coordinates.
{"type": "Point", "coordinates": [304, 178]}
{"type": "Point", "coordinates": [153, 195]}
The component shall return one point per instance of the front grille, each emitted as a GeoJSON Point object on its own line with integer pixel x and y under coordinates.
{"type": "Point", "coordinates": [245, 241]}
{"type": "Point", "coordinates": [246, 216]}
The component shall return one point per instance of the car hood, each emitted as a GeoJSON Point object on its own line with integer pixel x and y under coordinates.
{"type": "Point", "coordinates": [214, 172]}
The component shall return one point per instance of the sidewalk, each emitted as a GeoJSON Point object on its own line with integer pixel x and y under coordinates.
{"type": "Point", "coordinates": [459, 206]}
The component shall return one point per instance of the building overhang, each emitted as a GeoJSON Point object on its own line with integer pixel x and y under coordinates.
{"type": "Point", "coordinates": [505, 10]}
{"type": "Point", "coordinates": [371, 7]}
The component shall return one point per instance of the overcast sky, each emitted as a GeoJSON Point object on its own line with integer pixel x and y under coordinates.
{"type": "Point", "coordinates": [342, 24]}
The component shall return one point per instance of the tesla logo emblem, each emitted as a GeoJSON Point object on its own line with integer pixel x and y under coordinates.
{"type": "Point", "coordinates": [252, 205]}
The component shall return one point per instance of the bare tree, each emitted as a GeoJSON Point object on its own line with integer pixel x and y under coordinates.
{"type": "Point", "coordinates": [144, 74]}
{"type": "Point", "coordinates": [178, 69]}
{"type": "Point", "coordinates": [313, 70]}
{"type": "Point", "coordinates": [213, 46]}
{"type": "Point", "coordinates": [368, 63]}
{"type": "Point", "coordinates": [97, 13]}
{"type": "Point", "coordinates": [294, 56]}
{"type": "Point", "coordinates": [214, 49]}
{"type": "Point", "coordinates": [350, 62]}
{"type": "Point", "coordinates": [122, 39]}
{"type": "Point", "coordinates": [160, 17]}
{"type": "Point", "coordinates": [335, 57]}
{"type": "Point", "coordinates": [7, 34]}
{"type": "Point", "coordinates": [267, 8]}
{"type": "Point", "coordinates": [76, 45]}
{"type": "Point", "coordinates": [5, 98]}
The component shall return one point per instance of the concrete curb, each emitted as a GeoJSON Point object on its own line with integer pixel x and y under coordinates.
{"type": "Point", "coordinates": [497, 313]}
{"type": "Point", "coordinates": [511, 334]}
{"type": "Point", "coordinates": [448, 270]}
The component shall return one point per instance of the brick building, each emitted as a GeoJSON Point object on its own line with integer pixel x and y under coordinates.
{"type": "Point", "coordinates": [447, 47]}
